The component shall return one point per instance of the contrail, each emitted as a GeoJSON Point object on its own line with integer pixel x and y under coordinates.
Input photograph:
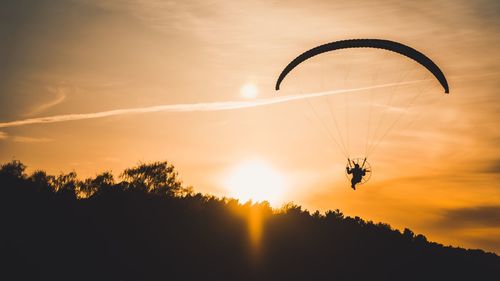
{"type": "Point", "coordinates": [211, 106]}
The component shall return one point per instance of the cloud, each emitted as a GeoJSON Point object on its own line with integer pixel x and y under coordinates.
{"type": "Point", "coordinates": [475, 226]}
{"type": "Point", "coordinates": [22, 139]}
{"type": "Point", "coordinates": [60, 96]}
{"type": "Point", "coordinates": [29, 139]}
{"type": "Point", "coordinates": [111, 159]}
{"type": "Point", "coordinates": [492, 243]}
{"type": "Point", "coordinates": [493, 167]}
{"type": "Point", "coordinates": [472, 217]}
{"type": "Point", "coordinates": [194, 107]}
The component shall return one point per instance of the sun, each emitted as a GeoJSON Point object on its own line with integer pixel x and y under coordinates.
{"type": "Point", "coordinates": [249, 91]}
{"type": "Point", "coordinates": [257, 181]}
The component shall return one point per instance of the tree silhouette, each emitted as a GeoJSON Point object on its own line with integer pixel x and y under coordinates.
{"type": "Point", "coordinates": [99, 184]}
{"type": "Point", "coordinates": [150, 227]}
{"type": "Point", "coordinates": [158, 177]}
{"type": "Point", "coordinates": [14, 169]}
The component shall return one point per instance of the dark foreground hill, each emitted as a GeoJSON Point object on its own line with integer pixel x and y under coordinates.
{"type": "Point", "coordinates": [149, 227]}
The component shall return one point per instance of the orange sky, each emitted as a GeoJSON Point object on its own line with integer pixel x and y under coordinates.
{"type": "Point", "coordinates": [438, 177]}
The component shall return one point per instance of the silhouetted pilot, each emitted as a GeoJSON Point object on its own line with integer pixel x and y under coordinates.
{"type": "Point", "coordinates": [357, 174]}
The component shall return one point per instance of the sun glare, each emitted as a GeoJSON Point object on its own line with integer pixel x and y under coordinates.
{"type": "Point", "coordinates": [249, 91]}
{"type": "Point", "coordinates": [256, 181]}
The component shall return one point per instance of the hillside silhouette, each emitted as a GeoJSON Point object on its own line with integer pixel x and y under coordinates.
{"type": "Point", "coordinates": [148, 226]}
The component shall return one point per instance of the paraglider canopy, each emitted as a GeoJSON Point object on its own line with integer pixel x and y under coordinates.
{"type": "Point", "coordinates": [368, 43]}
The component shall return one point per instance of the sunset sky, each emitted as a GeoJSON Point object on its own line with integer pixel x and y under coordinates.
{"type": "Point", "coordinates": [192, 82]}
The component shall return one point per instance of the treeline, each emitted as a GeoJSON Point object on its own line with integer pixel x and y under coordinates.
{"type": "Point", "coordinates": [148, 226]}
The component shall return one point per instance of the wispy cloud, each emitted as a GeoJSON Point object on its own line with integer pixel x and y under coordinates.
{"type": "Point", "coordinates": [111, 159]}
{"type": "Point", "coordinates": [5, 137]}
{"type": "Point", "coordinates": [29, 139]}
{"type": "Point", "coordinates": [60, 96]}
{"type": "Point", "coordinates": [478, 225]}
{"type": "Point", "coordinates": [193, 107]}
{"type": "Point", "coordinates": [479, 216]}
{"type": "Point", "coordinates": [492, 167]}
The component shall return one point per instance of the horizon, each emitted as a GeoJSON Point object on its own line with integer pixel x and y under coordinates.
{"type": "Point", "coordinates": [88, 86]}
